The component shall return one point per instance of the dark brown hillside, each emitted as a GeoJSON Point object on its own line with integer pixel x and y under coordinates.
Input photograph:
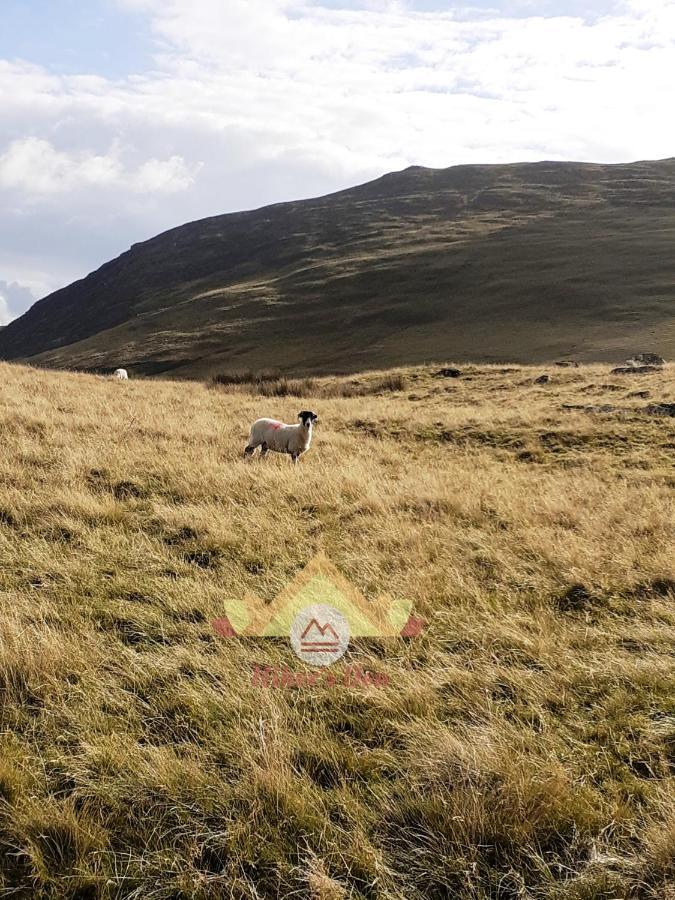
{"type": "Point", "coordinates": [521, 262]}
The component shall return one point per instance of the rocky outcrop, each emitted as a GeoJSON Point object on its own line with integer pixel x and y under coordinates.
{"type": "Point", "coordinates": [646, 359]}
{"type": "Point", "coordinates": [634, 370]}
{"type": "Point", "coordinates": [661, 409]}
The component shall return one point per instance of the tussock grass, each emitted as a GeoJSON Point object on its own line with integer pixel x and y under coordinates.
{"type": "Point", "coordinates": [265, 384]}
{"type": "Point", "coordinates": [524, 746]}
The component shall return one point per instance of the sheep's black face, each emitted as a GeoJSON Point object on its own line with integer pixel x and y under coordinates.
{"type": "Point", "coordinates": [307, 417]}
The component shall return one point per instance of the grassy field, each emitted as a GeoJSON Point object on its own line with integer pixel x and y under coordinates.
{"type": "Point", "coordinates": [524, 746]}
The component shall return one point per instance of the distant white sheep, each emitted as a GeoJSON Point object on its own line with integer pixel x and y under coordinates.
{"type": "Point", "coordinates": [121, 374]}
{"type": "Point", "coordinates": [268, 434]}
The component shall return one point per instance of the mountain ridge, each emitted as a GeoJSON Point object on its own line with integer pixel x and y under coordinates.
{"type": "Point", "coordinates": [511, 262]}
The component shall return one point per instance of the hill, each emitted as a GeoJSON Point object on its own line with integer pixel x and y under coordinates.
{"type": "Point", "coordinates": [525, 262]}
{"type": "Point", "coordinates": [522, 746]}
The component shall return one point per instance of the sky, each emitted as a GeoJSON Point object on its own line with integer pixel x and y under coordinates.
{"type": "Point", "coordinates": [122, 118]}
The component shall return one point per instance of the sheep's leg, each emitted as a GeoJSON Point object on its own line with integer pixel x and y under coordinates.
{"type": "Point", "coordinates": [264, 450]}
{"type": "Point", "coordinates": [294, 458]}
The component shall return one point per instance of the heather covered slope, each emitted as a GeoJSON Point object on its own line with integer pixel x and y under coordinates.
{"type": "Point", "coordinates": [521, 262]}
{"type": "Point", "coordinates": [524, 746]}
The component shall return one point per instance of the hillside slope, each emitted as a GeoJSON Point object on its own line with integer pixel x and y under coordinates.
{"type": "Point", "coordinates": [515, 262]}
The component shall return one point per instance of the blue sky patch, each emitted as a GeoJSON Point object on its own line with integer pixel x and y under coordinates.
{"type": "Point", "coordinates": [74, 38]}
{"type": "Point", "coordinates": [508, 8]}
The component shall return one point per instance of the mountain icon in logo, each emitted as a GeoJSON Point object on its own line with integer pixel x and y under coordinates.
{"type": "Point", "coordinates": [319, 635]}
{"type": "Point", "coordinates": [309, 641]}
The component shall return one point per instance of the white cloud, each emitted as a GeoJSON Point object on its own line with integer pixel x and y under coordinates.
{"type": "Point", "coordinates": [255, 101]}
{"type": "Point", "coordinates": [34, 166]}
{"type": "Point", "coordinates": [389, 84]}
{"type": "Point", "coordinates": [167, 175]}
{"type": "Point", "coordinates": [5, 315]}
{"type": "Point", "coordinates": [14, 300]}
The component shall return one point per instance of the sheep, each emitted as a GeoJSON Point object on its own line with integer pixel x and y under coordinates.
{"type": "Point", "coordinates": [268, 434]}
{"type": "Point", "coordinates": [121, 374]}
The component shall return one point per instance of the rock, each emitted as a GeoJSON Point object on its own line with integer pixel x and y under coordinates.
{"type": "Point", "coordinates": [604, 408]}
{"type": "Point", "coordinates": [447, 373]}
{"type": "Point", "coordinates": [567, 364]}
{"type": "Point", "coordinates": [634, 370]}
{"type": "Point", "coordinates": [646, 359]}
{"type": "Point", "coordinates": [543, 379]}
{"type": "Point", "coordinates": [661, 409]}
{"type": "Point", "coordinates": [654, 409]}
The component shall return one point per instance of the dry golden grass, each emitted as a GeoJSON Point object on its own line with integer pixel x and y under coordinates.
{"type": "Point", "coordinates": [525, 745]}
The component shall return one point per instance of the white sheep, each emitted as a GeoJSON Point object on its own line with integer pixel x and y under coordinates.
{"type": "Point", "coordinates": [121, 374]}
{"type": "Point", "coordinates": [268, 434]}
